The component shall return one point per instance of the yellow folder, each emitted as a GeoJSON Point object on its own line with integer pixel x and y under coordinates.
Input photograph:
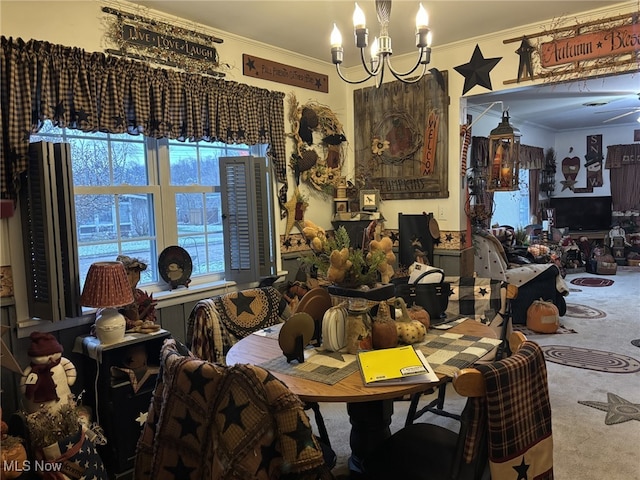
{"type": "Point", "coordinates": [396, 365]}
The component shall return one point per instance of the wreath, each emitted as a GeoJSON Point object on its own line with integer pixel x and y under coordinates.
{"type": "Point", "coordinates": [319, 145]}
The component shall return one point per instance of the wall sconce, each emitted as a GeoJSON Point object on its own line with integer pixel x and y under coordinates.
{"type": "Point", "coordinates": [504, 149]}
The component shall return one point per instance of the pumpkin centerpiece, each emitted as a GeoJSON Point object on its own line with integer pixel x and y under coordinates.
{"type": "Point", "coordinates": [543, 317]}
{"type": "Point", "coordinates": [383, 329]}
{"type": "Point", "coordinates": [409, 331]}
{"type": "Point", "coordinates": [334, 324]}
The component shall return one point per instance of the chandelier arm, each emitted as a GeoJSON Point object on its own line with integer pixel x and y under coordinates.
{"type": "Point", "coordinates": [352, 82]}
{"type": "Point", "coordinates": [370, 71]}
{"type": "Point", "coordinates": [400, 76]}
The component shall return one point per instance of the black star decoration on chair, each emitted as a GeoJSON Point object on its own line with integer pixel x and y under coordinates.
{"type": "Point", "coordinates": [188, 425]}
{"type": "Point", "coordinates": [243, 304]}
{"type": "Point", "coordinates": [522, 470]}
{"type": "Point", "coordinates": [476, 72]}
{"type": "Point", "coordinates": [482, 291]}
{"type": "Point", "coordinates": [180, 470]}
{"type": "Point", "coordinates": [268, 453]}
{"type": "Point", "coordinates": [198, 382]}
{"type": "Point", "coordinates": [302, 436]}
{"type": "Point", "coordinates": [233, 413]}
{"type": "Point", "coordinates": [525, 67]}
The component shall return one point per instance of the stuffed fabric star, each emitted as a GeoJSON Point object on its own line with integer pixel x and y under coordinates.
{"type": "Point", "coordinates": [476, 72]}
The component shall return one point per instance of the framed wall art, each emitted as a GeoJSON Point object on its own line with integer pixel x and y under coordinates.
{"type": "Point", "coordinates": [401, 138]}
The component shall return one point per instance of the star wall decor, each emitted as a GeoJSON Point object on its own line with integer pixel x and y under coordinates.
{"type": "Point", "coordinates": [476, 72]}
{"type": "Point", "coordinates": [525, 67]}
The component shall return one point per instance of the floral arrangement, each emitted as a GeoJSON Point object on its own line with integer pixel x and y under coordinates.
{"type": "Point", "coordinates": [335, 260]}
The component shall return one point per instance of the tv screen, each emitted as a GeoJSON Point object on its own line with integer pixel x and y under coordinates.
{"type": "Point", "coordinates": [582, 213]}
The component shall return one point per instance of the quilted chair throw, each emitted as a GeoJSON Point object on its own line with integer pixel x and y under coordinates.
{"type": "Point", "coordinates": [216, 324]}
{"type": "Point", "coordinates": [208, 421]}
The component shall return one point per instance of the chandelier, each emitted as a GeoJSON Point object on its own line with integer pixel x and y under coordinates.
{"type": "Point", "coordinates": [381, 51]}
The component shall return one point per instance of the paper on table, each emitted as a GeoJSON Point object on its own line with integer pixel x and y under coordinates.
{"type": "Point", "coordinates": [395, 366]}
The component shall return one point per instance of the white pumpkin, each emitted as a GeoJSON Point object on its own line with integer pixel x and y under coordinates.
{"type": "Point", "coordinates": [333, 328]}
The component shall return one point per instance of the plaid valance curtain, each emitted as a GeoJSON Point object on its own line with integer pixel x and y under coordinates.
{"type": "Point", "coordinates": [94, 92]}
{"type": "Point", "coordinates": [619, 155]}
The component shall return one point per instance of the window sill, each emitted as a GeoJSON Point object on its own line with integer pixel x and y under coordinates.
{"type": "Point", "coordinates": [168, 298]}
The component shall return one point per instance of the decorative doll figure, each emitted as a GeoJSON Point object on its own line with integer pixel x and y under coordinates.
{"type": "Point", "coordinates": [45, 383]}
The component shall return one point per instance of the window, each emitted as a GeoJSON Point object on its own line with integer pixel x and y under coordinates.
{"type": "Point", "coordinates": [136, 195]}
{"type": "Point", "coordinates": [512, 208]}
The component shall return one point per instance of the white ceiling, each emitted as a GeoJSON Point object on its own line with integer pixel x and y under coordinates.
{"type": "Point", "coordinates": [304, 26]}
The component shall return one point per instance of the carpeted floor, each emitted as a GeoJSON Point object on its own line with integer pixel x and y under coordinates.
{"type": "Point", "coordinates": [587, 444]}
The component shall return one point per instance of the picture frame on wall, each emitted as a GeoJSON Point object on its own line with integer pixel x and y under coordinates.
{"type": "Point", "coordinates": [369, 200]}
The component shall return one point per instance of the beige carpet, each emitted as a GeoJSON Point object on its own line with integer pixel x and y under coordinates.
{"type": "Point", "coordinates": [585, 447]}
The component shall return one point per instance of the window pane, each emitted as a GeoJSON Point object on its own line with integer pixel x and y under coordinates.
{"type": "Point", "coordinates": [145, 251]}
{"type": "Point", "coordinates": [90, 162]}
{"type": "Point", "coordinates": [129, 163]}
{"type": "Point", "coordinates": [209, 170]}
{"type": "Point", "coordinates": [183, 163]}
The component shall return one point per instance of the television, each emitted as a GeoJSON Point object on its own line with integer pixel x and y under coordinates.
{"type": "Point", "coordinates": [582, 213]}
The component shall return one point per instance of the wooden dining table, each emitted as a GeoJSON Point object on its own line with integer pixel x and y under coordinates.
{"type": "Point", "coordinates": [370, 408]}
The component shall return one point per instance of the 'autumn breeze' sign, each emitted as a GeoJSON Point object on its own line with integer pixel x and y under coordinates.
{"type": "Point", "coordinates": [615, 41]}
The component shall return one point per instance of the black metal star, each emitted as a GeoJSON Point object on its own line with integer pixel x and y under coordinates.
{"type": "Point", "coordinates": [302, 436]}
{"type": "Point", "coordinates": [476, 72]}
{"type": "Point", "coordinates": [188, 425]}
{"type": "Point", "coordinates": [251, 63]}
{"type": "Point", "coordinates": [180, 470]}
{"type": "Point", "coordinates": [525, 67]}
{"type": "Point", "coordinates": [243, 304]}
{"type": "Point", "coordinates": [198, 382]}
{"type": "Point", "coordinates": [233, 413]}
{"type": "Point", "coordinates": [268, 453]}
{"type": "Point", "coordinates": [522, 470]}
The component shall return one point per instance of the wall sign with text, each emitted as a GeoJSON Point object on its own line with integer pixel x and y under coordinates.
{"type": "Point", "coordinates": [286, 74]}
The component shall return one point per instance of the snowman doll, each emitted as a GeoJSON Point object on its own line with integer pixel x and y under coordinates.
{"type": "Point", "coordinates": [45, 383]}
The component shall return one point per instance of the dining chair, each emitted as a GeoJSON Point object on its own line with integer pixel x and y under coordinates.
{"type": "Point", "coordinates": [207, 420]}
{"type": "Point", "coordinates": [505, 427]}
{"type": "Point", "coordinates": [500, 294]}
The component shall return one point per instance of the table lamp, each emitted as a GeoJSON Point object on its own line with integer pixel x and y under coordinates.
{"type": "Point", "coordinates": [107, 288]}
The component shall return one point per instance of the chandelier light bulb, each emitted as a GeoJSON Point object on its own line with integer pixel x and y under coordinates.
{"type": "Point", "coordinates": [429, 39]}
{"type": "Point", "coordinates": [358, 18]}
{"type": "Point", "coordinates": [374, 48]}
{"type": "Point", "coordinates": [336, 37]}
{"type": "Point", "coordinates": [422, 19]}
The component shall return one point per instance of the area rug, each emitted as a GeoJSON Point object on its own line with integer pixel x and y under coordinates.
{"type": "Point", "coordinates": [618, 409]}
{"type": "Point", "coordinates": [528, 332]}
{"type": "Point", "coordinates": [590, 359]}
{"type": "Point", "coordinates": [583, 311]}
{"type": "Point", "coordinates": [592, 282]}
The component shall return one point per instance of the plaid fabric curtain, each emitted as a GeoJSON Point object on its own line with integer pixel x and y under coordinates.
{"type": "Point", "coordinates": [94, 92]}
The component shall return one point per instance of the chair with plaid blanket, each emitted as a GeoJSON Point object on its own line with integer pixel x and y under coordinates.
{"type": "Point", "coordinates": [484, 300]}
{"type": "Point", "coordinates": [505, 427]}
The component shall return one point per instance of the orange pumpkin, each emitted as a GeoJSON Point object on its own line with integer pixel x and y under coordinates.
{"type": "Point", "coordinates": [543, 317]}
{"type": "Point", "coordinates": [383, 328]}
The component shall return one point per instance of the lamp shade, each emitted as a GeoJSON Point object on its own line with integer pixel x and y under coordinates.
{"type": "Point", "coordinates": [107, 286]}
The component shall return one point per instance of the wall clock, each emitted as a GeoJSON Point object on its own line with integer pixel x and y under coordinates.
{"type": "Point", "coordinates": [369, 200]}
